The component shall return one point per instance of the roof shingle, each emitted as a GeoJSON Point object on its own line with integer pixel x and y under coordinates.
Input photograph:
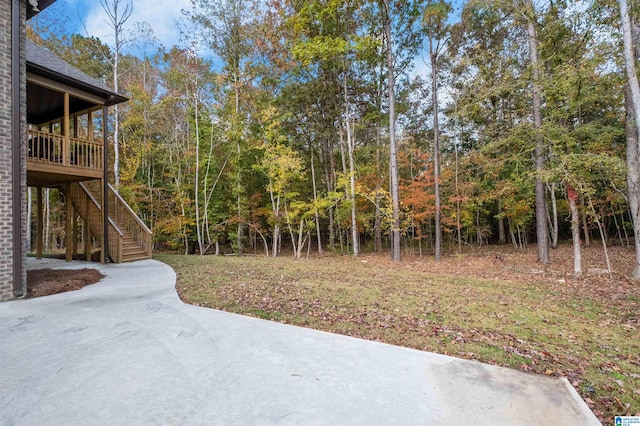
{"type": "Point", "coordinates": [42, 62]}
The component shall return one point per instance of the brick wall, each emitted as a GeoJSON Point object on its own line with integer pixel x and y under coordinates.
{"type": "Point", "coordinates": [6, 178]}
{"type": "Point", "coordinates": [6, 243]}
{"type": "Point", "coordinates": [23, 137]}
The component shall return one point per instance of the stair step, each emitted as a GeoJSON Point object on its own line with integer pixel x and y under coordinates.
{"type": "Point", "coordinates": [135, 258]}
{"type": "Point", "coordinates": [129, 250]}
{"type": "Point", "coordinates": [133, 252]}
{"type": "Point", "coordinates": [132, 249]}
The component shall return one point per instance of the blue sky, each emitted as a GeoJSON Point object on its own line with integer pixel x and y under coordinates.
{"type": "Point", "coordinates": [160, 15]}
{"type": "Point", "coordinates": [88, 18]}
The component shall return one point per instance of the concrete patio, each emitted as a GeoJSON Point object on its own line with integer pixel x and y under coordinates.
{"type": "Point", "coordinates": [128, 351]}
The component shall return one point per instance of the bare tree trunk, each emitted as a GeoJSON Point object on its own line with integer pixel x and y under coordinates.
{"type": "Point", "coordinates": [196, 183]}
{"type": "Point", "coordinates": [184, 231]}
{"type": "Point", "coordinates": [343, 158]}
{"type": "Point", "coordinates": [542, 232]}
{"type": "Point", "coordinates": [329, 174]}
{"type": "Point", "coordinates": [632, 105]}
{"type": "Point", "coordinates": [352, 172]}
{"type": "Point", "coordinates": [458, 207]}
{"type": "Point", "coordinates": [629, 62]}
{"type": "Point", "coordinates": [393, 156]}
{"type": "Point", "coordinates": [276, 241]}
{"type": "Point", "coordinates": [315, 200]}
{"type": "Point", "coordinates": [585, 224]}
{"type": "Point", "coordinates": [617, 225]}
{"type": "Point", "coordinates": [502, 235]}
{"type": "Point", "coordinates": [377, 223]}
{"type": "Point", "coordinates": [513, 236]}
{"type": "Point", "coordinates": [206, 229]}
{"type": "Point", "coordinates": [436, 149]}
{"type": "Point", "coordinates": [117, 20]}
{"type": "Point", "coordinates": [300, 239]}
{"type": "Point", "coordinates": [479, 239]}
{"type": "Point", "coordinates": [275, 205]}
{"type": "Point", "coordinates": [291, 234]}
{"type": "Point", "coordinates": [624, 229]}
{"type": "Point", "coordinates": [602, 237]}
{"type": "Point", "coordinates": [572, 196]}
{"type": "Point", "coordinates": [633, 179]}
{"type": "Point", "coordinates": [239, 173]}
{"type": "Point", "coordinates": [332, 229]}
{"type": "Point", "coordinates": [553, 222]}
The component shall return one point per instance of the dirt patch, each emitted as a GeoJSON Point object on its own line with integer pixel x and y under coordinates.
{"type": "Point", "coordinates": [44, 282]}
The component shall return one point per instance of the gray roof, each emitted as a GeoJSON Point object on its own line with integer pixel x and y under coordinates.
{"type": "Point", "coordinates": [42, 62]}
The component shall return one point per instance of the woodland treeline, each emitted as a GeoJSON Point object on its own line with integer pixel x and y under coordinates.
{"type": "Point", "coordinates": [355, 125]}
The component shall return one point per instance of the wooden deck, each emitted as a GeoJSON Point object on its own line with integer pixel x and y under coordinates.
{"type": "Point", "coordinates": [54, 159]}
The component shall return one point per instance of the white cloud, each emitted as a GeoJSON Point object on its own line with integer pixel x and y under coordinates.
{"type": "Point", "coordinates": [160, 15]}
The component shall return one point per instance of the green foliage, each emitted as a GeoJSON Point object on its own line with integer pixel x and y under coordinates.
{"type": "Point", "coordinates": [272, 101]}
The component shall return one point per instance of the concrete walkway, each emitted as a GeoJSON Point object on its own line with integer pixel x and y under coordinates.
{"type": "Point", "coordinates": [127, 351]}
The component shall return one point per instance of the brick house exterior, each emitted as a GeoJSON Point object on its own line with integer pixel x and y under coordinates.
{"type": "Point", "coordinates": [13, 168]}
{"type": "Point", "coordinates": [37, 90]}
{"type": "Point", "coordinates": [12, 152]}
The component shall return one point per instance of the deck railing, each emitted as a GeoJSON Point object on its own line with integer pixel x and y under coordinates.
{"type": "Point", "coordinates": [52, 149]}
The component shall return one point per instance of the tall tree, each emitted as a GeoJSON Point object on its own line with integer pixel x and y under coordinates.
{"type": "Point", "coordinates": [542, 229]}
{"type": "Point", "coordinates": [632, 96]}
{"type": "Point", "coordinates": [226, 22]}
{"type": "Point", "coordinates": [435, 19]}
{"type": "Point", "coordinates": [118, 13]}
{"type": "Point", "coordinates": [403, 37]}
{"type": "Point", "coordinates": [393, 153]}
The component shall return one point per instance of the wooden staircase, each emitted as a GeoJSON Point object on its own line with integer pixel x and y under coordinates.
{"type": "Point", "coordinates": [129, 239]}
{"type": "Point", "coordinates": [131, 250]}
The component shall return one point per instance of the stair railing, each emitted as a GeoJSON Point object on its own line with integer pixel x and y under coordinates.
{"type": "Point", "coordinates": [129, 221]}
{"type": "Point", "coordinates": [79, 194]}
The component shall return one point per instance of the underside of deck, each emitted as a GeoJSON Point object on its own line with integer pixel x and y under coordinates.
{"type": "Point", "coordinates": [54, 176]}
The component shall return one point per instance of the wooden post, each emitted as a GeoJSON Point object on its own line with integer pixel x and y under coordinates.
{"type": "Point", "coordinates": [105, 188]}
{"type": "Point", "coordinates": [66, 150]}
{"type": "Point", "coordinates": [39, 237]}
{"type": "Point", "coordinates": [74, 231]}
{"type": "Point", "coordinates": [75, 136]}
{"type": "Point", "coordinates": [87, 230]}
{"type": "Point", "coordinates": [96, 162]}
{"type": "Point", "coordinates": [68, 222]}
{"type": "Point", "coordinates": [104, 239]}
{"type": "Point", "coordinates": [90, 126]}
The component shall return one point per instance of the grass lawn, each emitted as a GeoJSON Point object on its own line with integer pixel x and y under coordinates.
{"type": "Point", "coordinates": [498, 307]}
